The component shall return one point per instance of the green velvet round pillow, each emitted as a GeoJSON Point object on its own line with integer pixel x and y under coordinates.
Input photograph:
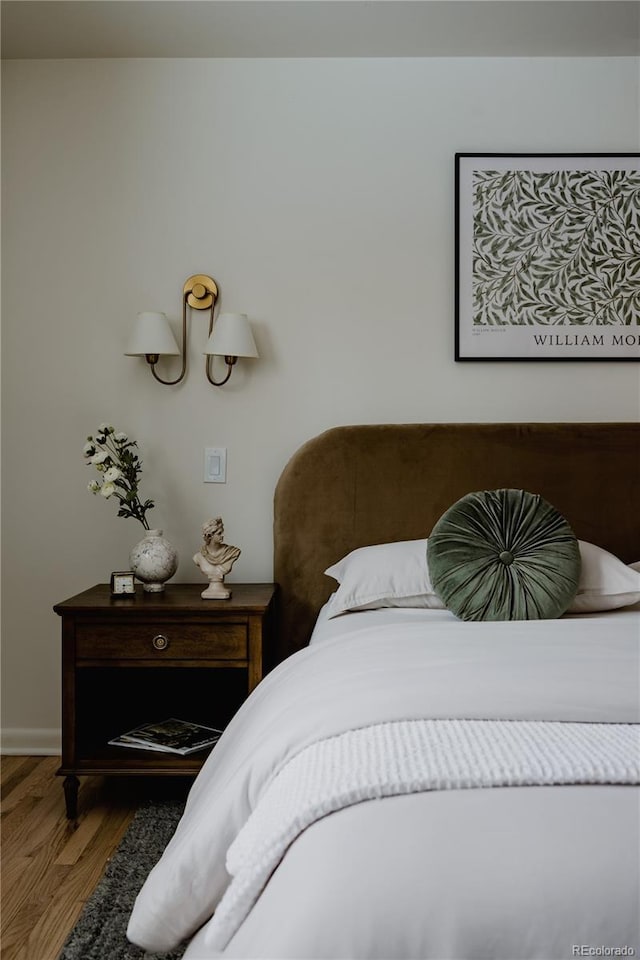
{"type": "Point", "coordinates": [504, 555]}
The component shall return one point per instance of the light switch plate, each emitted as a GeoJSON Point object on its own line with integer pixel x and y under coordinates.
{"type": "Point", "coordinates": [215, 464]}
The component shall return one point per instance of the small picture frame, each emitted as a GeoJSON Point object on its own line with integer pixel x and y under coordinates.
{"type": "Point", "coordinates": [123, 583]}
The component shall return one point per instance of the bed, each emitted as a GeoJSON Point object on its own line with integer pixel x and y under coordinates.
{"type": "Point", "coordinates": [405, 784]}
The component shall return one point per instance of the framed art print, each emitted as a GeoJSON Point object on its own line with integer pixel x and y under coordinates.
{"type": "Point", "coordinates": [547, 256]}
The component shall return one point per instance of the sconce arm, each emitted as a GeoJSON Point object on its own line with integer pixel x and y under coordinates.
{"type": "Point", "coordinates": [152, 359]}
{"type": "Point", "coordinates": [230, 361]}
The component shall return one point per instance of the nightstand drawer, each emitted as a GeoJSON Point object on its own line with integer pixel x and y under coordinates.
{"type": "Point", "coordinates": [164, 640]}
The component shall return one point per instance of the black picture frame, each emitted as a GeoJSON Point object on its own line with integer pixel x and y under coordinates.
{"type": "Point", "coordinates": [547, 256]}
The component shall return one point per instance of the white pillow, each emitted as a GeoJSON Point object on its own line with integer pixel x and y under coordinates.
{"type": "Point", "coordinates": [396, 575]}
{"type": "Point", "coordinates": [606, 583]}
{"type": "Point", "coordinates": [385, 575]}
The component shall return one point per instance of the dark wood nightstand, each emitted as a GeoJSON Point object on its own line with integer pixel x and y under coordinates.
{"type": "Point", "coordinates": [143, 658]}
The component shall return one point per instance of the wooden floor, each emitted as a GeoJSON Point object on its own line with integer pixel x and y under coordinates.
{"type": "Point", "coordinates": [50, 865]}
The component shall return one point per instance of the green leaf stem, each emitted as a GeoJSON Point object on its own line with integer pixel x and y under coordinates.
{"type": "Point", "coordinates": [561, 247]}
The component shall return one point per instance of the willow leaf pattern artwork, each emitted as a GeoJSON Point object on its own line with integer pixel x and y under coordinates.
{"type": "Point", "coordinates": [557, 248]}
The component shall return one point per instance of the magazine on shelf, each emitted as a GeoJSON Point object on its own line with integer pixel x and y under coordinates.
{"type": "Point", "coordinates": [169, 736]}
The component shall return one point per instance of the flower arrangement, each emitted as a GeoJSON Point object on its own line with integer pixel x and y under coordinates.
{"type": "Point", "coordinates": [114, 457]}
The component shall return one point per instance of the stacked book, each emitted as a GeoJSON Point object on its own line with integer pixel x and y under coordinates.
{"type": "Point", "coordinates": [169, 736]}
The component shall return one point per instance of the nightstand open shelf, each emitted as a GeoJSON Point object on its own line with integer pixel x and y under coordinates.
{"type": "Point", "coordinates": [131, 660]}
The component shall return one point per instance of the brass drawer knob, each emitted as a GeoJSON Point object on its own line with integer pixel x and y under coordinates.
{"type": "Point", "coordinates": [160, 642]}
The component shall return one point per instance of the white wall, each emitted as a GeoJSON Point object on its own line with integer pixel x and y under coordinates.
{"type": "Point", "coordinates": [319, 194]}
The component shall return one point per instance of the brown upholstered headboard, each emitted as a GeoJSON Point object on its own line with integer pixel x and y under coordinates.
{"type": "Point", "coordinates": [359, 485]}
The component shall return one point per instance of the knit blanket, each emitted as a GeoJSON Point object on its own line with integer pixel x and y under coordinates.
{"type": "Point", "coordinates": [391, 759]}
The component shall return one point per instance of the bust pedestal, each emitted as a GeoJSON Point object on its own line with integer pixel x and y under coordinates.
{"type": "Point", "coordinates": [216, 591]}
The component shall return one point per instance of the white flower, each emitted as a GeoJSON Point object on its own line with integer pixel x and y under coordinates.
{"type": "Point", "coordinates": [118, 468]}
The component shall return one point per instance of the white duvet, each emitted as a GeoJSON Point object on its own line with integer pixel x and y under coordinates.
{"type": "Point", "coordinates": [528, 871]}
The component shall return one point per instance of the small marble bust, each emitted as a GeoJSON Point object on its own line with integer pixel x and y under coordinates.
{"type": "Point", "coordinates": [215, 559]}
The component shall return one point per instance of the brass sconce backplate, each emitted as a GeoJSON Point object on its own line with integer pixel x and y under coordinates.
{"type": "Point", "coordinates": [201, 291]}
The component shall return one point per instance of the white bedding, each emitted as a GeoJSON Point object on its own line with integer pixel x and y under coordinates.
{"type": "Point", "coordinates": [500, 872]}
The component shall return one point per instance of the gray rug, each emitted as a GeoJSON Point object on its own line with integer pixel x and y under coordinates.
{"type": "Point", "coordinates": [100, 933]}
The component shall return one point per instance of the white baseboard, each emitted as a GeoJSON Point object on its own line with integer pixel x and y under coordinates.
{"type": "Point", "coordinates": [35, 742]}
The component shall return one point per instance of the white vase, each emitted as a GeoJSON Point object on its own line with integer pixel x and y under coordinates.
{"type": "Point", "coordinates": [154, 561]}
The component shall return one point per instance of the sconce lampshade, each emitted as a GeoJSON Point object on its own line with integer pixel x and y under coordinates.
{"type": "Point", "coordinates": [231, 337]}
{"type": "Point", "coordinates": [151, 334]}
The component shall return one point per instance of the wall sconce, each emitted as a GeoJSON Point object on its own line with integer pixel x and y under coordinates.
{"type": "Point", "coordinates": [230, 337]}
